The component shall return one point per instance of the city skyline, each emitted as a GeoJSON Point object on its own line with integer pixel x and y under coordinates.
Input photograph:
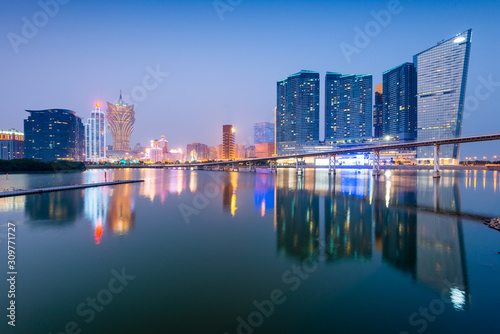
{"type": "Point", "coordinates": [98, 78]}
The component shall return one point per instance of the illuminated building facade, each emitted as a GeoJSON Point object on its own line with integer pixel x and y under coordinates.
{"type": "Point", "coordinates": [11, 145]}
{"type": "Point", "coordinates": [228, 142]}
{"type": "Point", "coordinates": [263, 132]}
{"type": "Point", "coordinates": [264, 136]}
{"type": "Point", "coordinates": [297, 113]}
{"type": "Point", "coordinates": [377, 111]}
{"type": "Point", "coordinates": [155, 152]}
{"type": "Point", "coordinates": [197, 151]}
{"type": "Point", "coordinates": [212, 153]}
{"type": "Point", "coordinates": [54, 134]}
{"type": "Point", "coordinates": [163, 144]}
{"type": "Point", "coordinates": [121, 119]}
{"type": "Point", "coordinates": [441, 84]}
{"type": "Point", "coordinates": [400, 102]}
{"type": "Point", "coordinates": [175, 155]}
{"type": "Point", "coordinates": [95, 135]}
{"type": "Point", "coordinates": [348, 107]}
{"type": "Point", "coordinates": [263, 150]}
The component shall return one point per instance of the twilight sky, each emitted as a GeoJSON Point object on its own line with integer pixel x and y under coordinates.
{"type": "Point", "coordinates": [220, 67]}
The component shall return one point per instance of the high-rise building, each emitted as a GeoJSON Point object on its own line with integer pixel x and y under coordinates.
{"type": "Point", "coordinates": [212, 153]}
{"type": "Point", "coordinates": [263, 132]}
{"type": "Point", "coordinates": [250, 151]}
{"type": "Point", "coordinates": [163, 144]}
{"type": "Point", "coordinates": [121, 119]}
{"type": "Point", "coordinates": [220, 150]}
{"type": "Point", "coordinates": [378, 111]}
{"type": "Point", "coordinates": [241, 151]}
{"type": "Point", "coordinates": [297, 113]}
{"type": "Point", "coordinates": [348, 107]}
{"type": "Point", "coordinates": [11, 144]}
{"type": "Point", "coordinates": [264, 150]}
{"type": "Point", "coordinates": [54, 134]}
{"type": "Point", "coordinates": [228, 142]}
{"type": "Point", "coordinates": [155, 154]}
{"type": "Point", "coordinates": [264, 136]}
{"type": "Point", "coordinates": [441, 84]}
{"type": "Point", "coordinates": [95, 135]}
{"type": "Point", "coordinates": [197, 151]}
{"type": "Point", "coordinates": [400, 102]}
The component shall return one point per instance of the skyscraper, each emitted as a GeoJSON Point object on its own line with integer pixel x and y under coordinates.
{"type": "Point", "coordinates": [54, 134]}
{"type": "Point", "coordinates": [264, 139]}
{"type": "Point", "coordinates": [95, 135]}
{"type": "Point", "coordinates": [121, 121]}
{"type": "Point", "coordinates": [348, 107]}
{"type": "Point", "coordinates": [400, 103]}
{"type": "Point", "coordinates": [11, 145]}
{"type": "Point", "coordinates": [163, 144]}
{"type": "Point", "coordinates": [377, 111]}
{"type": "Point", "coordinates": [197, 151]}
{"type": "Point", "coordinates": [441, 84]}
{"type": "Point", "coordinates": [228, 142]}
{"type": "Point", "coordinates": [263, 132]}
{"type": "Point", "coordinates": [297, 114]}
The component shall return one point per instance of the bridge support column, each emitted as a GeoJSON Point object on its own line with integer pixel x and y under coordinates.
{"type": "Point", "coordinates": [376, 163]}
{"type": "Point", "coordinates": [235, 168]}
{"type": "Point", "coordinates": [437, 172]}
{"type": "Point", "coordinates": [436, 194]}
{"type": "Point", "coordinates": [252, 167]}
{"type": "Point", "coordinates": [299, 169]}
{"type": "Point", "coordinates": [332, 169]}
{"type": "Point", "coordinates": [272, 166]}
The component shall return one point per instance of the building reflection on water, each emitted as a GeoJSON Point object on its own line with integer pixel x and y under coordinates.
{"type": "Point", "coordinates": [353, 217]}
{"type": "Point", "coordinates": [120, 217]}
{"type": "Point", "coordinates": [297, 214]}
{"type": "Point", "coordinates": [230, 185]}
{"type": "Point", "coordinates": [59, 207]}
{"type": "Point", "coordinates": [264, 194]}
{"type": "Point", "coordinates": [96, 208]}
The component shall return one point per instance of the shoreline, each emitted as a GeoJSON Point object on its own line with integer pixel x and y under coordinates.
{"type": "Point", "coordinates": [404, 167]}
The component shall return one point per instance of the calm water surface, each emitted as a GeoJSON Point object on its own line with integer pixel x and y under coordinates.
{"type": "Point", "coordinates": [219, 252]}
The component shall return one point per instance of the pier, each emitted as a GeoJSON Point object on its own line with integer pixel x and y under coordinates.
{"type": "Point", "coordinates": [61, 188]}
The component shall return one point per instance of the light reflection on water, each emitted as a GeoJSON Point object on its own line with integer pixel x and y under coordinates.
{"type": "Point", "coordinates": [405, 220]}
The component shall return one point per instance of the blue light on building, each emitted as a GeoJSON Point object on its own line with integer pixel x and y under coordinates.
{"type": "Point", "coordinates": [399, 112]}
{"type": "Point", "coordinates": [54, 134]}
{"type": "Point", "coordinates": [348, 107]}
{"type": "Point", "coordinates": [297, 113]}
{"type": "Point", "coordinates": [442, 80]}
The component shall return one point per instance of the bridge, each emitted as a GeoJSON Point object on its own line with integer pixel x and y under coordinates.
{"type": "Point", "coordinates": [376, 149]}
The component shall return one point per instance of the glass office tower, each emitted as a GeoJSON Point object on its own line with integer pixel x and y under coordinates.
{"type": "Point", "coordinates": [95, 136]}
{"type": "Point", "coordinates": [378, 108]}
{"type": "Point", "coordinates": [400, 105]}
{"type": "Point", "coordinates": [263, 132]}
{"type": "Point", "coordinates": [442, 80]}
{"type": "Point", "coordinates": [297, 113]}
{"type": "Point", "coordinates": [54, 134]}
{"type": "Point", "coordinates": [348, 107]}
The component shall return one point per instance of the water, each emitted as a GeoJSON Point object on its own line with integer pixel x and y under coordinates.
{"type": "Point", "coordinates": [220, 252]}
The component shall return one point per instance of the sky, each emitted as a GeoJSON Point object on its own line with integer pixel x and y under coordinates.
{"type": "Point", "coordinates": [191, 66]}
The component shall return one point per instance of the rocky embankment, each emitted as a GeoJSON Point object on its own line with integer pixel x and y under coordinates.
{"type": "Point", "coordinates": [493, 223]}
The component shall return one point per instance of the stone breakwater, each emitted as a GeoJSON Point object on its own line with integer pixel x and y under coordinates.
{"type": "Point", "coordinates": [493, 223]}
